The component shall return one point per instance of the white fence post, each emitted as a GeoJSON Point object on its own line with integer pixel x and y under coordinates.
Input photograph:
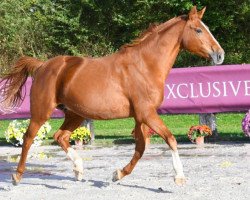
{"type": "Point", "coordinates": [209, 119]}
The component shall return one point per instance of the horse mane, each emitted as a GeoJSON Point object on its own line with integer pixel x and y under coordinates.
{"type": "Point", "coordinates": [143, 36]}
{"type": "Point", "coordinates": [153, 28]}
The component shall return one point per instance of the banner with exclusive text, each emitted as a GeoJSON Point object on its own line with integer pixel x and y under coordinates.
{"type": "Point", "coordinates": [212, 89]}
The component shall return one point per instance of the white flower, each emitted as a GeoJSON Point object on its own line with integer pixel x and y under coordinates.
{"type": "Point", "coordinates": [16, 130]}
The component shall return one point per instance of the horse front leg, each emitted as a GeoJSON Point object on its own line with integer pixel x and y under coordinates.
{"type": "Point", "coordinates": [62, 136]}
{"type": "Point", "coordinates": [152, 119]}
{"type": "Point", "coordinates": [139, 150]}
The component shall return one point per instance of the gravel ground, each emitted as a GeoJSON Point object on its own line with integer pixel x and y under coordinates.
{"type": "Point", "coordinates": [214, 172]}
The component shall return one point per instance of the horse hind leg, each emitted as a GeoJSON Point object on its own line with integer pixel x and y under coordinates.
{"type": "Point", "coordinates": [139, 150]}
{"type": "Point", "coordinates": [62, 136]}
{"type": "Point", "coordinates": [42, 104]}
{"type": "Point", "coordinates": [29, 136]}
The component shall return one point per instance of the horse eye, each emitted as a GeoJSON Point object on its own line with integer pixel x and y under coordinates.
{"type": "Point", "coordinates": [198, 30]}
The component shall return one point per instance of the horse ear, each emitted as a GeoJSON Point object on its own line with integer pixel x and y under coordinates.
{"type": "Point", "coordinates": [201, 13]}
{"type": "Point", "coordinates": [193, 13]}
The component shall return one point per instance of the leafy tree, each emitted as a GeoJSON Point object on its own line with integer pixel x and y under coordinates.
{"type": "Point", "coordinates": [46, 28]}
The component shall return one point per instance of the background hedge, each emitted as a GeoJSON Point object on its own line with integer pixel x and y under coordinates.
{"type": "Point", "coordinates": [46, 28]}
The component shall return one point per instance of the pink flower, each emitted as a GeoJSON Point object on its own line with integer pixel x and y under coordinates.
{"type": "Point", "coordinates": [246, 124]}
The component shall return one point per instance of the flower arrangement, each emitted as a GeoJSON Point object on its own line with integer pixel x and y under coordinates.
{"type": "Point", "coordinates": [16, 130]}
{"type": "Point", "coordinates": [82, 134]}
{"type": "Point", "coordinates": [198, 131]}
{"type": "Point", "coordinates": [246, 124]}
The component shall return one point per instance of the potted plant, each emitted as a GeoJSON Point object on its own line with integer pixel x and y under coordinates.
{"type": "Point", "coordinates": [81, 136]}
{"type": "Point", "coordinates": [16, 130]}
{"type": "Point", "coordinates": [196, 134]}
{"type": "Point", "coordinates": [246, 124]}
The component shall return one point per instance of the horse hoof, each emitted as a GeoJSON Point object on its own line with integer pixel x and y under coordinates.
{"type": "Point", "coordinates": [180, 181]}
{"type": "Point", "coordinates": [78, 175]}
{"type": "Point", "coordinates": [117, 175]}
{"type": "Point", "coordinates": [15, 179]}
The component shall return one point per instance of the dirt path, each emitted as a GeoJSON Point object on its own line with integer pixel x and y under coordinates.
{"type": "Point", "coordinates": [214, 172]}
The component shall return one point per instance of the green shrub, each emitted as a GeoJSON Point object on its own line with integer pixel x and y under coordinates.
{"type": "Point", "coordinates": [46, 28]}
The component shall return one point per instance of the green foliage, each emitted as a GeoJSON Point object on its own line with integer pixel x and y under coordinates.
{"type": "Point", "coordinates": [46, 28]}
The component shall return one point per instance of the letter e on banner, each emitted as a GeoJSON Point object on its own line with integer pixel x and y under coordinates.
{"type": "Point", "coordinates": [247, 88]}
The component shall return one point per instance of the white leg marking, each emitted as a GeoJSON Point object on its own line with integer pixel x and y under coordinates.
{"type": "Point", "coordinates": [177, 164]}
{"type": "Point", "coordinates": [78, 165]}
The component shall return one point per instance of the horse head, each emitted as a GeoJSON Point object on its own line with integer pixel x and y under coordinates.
{"type": "Point", "coordinates": [198, 39]}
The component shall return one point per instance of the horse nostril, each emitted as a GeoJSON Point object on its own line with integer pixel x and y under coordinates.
{"type": "Point", "coordinates": [219, 56]}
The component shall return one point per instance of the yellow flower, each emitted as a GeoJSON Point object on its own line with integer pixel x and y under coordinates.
{"type": "Point", "coordinates": [81, 133]}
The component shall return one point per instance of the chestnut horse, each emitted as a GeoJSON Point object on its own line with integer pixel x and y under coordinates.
{"type": "Point", "coordinates": [128, 83]}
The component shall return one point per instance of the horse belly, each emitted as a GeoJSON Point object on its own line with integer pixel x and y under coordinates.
{"type": "Point", "coordinates": [105, 109]}
{"type": "Point", "coordinates": [97, 106]}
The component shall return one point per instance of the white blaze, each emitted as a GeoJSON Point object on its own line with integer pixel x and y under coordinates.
{"type": "Point", "coordinates": [205, 26]}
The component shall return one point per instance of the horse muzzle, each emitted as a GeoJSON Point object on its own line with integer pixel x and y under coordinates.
{"type": "Point", "coordinates": [217, 57]}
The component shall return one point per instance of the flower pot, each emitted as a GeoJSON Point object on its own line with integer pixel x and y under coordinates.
{"type": "Point", "coordinates": [199, 140]}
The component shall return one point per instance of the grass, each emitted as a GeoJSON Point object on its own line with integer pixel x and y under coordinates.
{"type": "Point", "coordinates": [119, 131]}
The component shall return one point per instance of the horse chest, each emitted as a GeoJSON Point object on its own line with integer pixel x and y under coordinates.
{"type": "Point", "coordinates": [148, 95]}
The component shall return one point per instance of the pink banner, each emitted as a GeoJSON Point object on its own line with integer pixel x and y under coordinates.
{"type": "Point", "coordinates": [207, 89]}
{"type": "Point", "coordinates": [187, 90]}
{"type": "Point", "coordinates": [23, 112]}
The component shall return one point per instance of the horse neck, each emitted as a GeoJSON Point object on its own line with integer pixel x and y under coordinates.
{"type": "Point", "coordinates": [160, 54]}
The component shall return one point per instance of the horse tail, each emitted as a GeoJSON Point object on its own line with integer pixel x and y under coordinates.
{"type": "Point", "coordinates": [13, 81]}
